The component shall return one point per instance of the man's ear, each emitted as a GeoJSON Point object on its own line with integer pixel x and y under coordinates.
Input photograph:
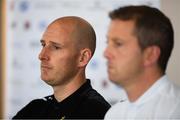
{"type": "Point", "coordinates": [151, 55]}
{"type": "Point", "coordinates": [85, 56]}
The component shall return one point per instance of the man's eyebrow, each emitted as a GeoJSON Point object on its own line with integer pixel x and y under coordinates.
{"type": "Point", "coordinates": [54, 43]}
{"type": "Point", "coordinates": [115, 39]}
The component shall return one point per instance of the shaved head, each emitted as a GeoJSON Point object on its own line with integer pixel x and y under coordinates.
{"type": "Point", "coordinates": [78, 30]}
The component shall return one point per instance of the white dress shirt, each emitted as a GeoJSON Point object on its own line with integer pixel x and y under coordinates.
{"type": "Point", "coordinates": [160, 101]}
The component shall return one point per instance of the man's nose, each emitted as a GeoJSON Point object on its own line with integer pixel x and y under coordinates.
{"type": "Point", "coordinates": [107, 53]}
{"type": "Point", "coordinates": [43, 55]}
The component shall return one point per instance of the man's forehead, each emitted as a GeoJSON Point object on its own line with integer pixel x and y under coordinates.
{"type": "Point", "coordinates": [61, 28]}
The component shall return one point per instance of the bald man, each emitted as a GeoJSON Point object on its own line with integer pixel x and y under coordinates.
{"type": "Point", "coordinates": [68, 44]}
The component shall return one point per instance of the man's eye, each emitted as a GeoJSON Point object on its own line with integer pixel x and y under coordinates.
{"type": "Point", "coordinates": [55, 47]}
{"type": "Point", "coordinates": [43, 44]}
{"type": "Point", "coordinates": [118, 44]}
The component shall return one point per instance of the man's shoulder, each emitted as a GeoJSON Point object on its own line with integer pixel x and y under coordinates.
{"type": "Point", "coordinates": [171, 90]}
{"type": "Point", "coordinates": [35, 106]}
{"type": "Point", "coordinates": [92, 105]}
{"type": "Point", "coordinates": [173, 94]}
{"type": "Point", "coordinates": [40, 101]}
{"type": "Point", "coordinates": [93, 98]}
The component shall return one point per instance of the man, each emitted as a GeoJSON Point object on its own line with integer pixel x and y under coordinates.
{"type": "Point", "coordinates": [140, 41]}
{"type": "Point", "coordinates": [68, 45]}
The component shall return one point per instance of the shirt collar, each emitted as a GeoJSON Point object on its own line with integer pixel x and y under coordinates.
{"type": "Point", "coordinates": [76, 95]}
{"type": "Point", "coordinates": [153, 90]}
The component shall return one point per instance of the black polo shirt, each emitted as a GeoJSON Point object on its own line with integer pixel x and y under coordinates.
{"type": "Point", "coordinates": [84, 103]}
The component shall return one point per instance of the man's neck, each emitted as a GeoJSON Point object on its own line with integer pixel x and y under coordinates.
{"type": "Point", "coordinates": [142, 84]}
{"type": "Point", "coordinates": [63, 91]}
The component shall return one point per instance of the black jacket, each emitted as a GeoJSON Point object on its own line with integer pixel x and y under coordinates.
{"type": "Point", "coordinates": [84, 103]}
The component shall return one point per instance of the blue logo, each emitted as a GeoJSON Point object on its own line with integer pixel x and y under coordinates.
{"type": "Point", "coordinates": [24, 6]}
{"type": "Point", "coordinates": [42, 25]}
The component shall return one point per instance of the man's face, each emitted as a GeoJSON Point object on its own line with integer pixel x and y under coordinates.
{"type": "Point", "coordinates": [124, 56]}
{"type": "Point", "coordinates": [59, 56]}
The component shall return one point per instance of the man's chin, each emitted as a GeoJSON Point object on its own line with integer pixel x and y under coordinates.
{"type": "Point", "coordinates": [113, 80]}
{"type": "Point", "coordinates": [50, 83]}
{"type": "Point", "coordinates": [47, 81]}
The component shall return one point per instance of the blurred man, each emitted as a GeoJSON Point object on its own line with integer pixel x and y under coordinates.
{"type": "Point", "coordinates": [68, 45]}
{"type": "Point", "coordinates": [140, 40]}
